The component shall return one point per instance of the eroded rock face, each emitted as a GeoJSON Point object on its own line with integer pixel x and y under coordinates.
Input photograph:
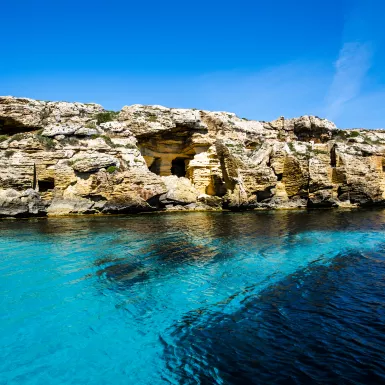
{"type": "Point", "coordinates": [60, 158]}
{"type": "Point", "coordinates": [20, 204]}
{"type": "Point", "coordinates": [180, 191]}
{"type": "Point", "coordinates": [89, 162]}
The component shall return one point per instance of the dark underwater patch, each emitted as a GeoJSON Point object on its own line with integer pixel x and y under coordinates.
{"type": "Point", "coordinates": [322, 325]}
{"type": "Point", "coordinates": [160, 258]}
{"type": "Point", "coordinates": [124, 273]}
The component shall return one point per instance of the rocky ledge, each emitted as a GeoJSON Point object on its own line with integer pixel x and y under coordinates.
{"type": "Point", "coordinates": [60, 158]}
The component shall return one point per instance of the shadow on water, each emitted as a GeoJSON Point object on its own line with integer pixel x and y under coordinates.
{"type": "Point", "coordinates": [175, 240]}
{"type": "Point", "coordinates": [160, 259]}
{"type": "Point", "coordinates": [157, 244]}
{"type": "Point", "coordinates": [220, 224]}
{"type": "Point", "coordinates": [321, 325]}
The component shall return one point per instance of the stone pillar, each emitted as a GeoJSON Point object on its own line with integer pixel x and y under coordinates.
{"type": "Point", "coordinates": [165, 165]}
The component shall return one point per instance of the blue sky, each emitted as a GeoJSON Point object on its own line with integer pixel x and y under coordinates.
{"type": "Point", "coordinates": [259, 59]}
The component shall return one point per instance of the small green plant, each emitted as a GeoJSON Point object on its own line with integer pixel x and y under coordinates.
{"type": "Point", "coordinates": [353, 134]}
{"type": "Point", "coordinates": [3, 138]}
{"type": "Point", "coordinates": [9, 153]}
{"type": "Point", "coordinates": [130, 145]}
{"type": "Point", "coordinates": [70, 140]}
{"type": "Point", "coordinates": [319, 152]}
{"type": "Point", "coordinates": [16, 137]}
{"type": "Point", "coordinates": [245, 119]}
{"type": "Point", "coordinates": [340, 134]}
{"type": "Point", "coordinates": [104, 117]}
{"type": "Point", "coordinates": [46, 141]}
{"type": "Point", "coordinates": [111, 169]}
{"type": "Point", "coordinates": [152, 118]}
{"type": "Point", "coordinates": [71, 162]}
{"type": "Point", "coordinates": [106, 138]}
{"type": "Point", "coordinates": [108, 141]}
{"type": "Point", "coordinates": [372, 141]}
{"type": "Point", "coordinates": [90, 125]}
{"type": "Point", "coordinates": [291, 146]}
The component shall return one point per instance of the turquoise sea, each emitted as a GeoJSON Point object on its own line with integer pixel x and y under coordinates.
{"type": "Point", "coordinates": [286, 297]}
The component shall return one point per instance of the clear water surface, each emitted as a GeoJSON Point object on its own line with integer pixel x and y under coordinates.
{"type": "Point", "coordinates": [287, 297]}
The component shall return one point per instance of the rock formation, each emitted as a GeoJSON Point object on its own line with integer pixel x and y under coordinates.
{"type": "Point", "coordinates": [60, 158]}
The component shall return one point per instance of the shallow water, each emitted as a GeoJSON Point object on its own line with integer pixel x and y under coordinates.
{"type": "Point", "coordinates": [289, 297]}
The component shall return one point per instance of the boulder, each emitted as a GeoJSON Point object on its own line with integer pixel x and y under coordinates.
{"type": "Point", "coordinates": [179, 191]}
{"type": "Point", "coordinates": [71, 206]}
{"type": "Point", "coordinates": [21, 204]}
{"type": "Point", "coordinates": [91, 162]}
{"type": "Point", "coordinates": [60, 129]}
{"type": "Point", "coordinates": [19, 113]}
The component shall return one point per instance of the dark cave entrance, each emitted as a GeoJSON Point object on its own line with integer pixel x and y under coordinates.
{"type": "Point", "coordinates": [155, 166]}
{"type": "Point", "coordinates": [178, 167]}
{"type": "Point", "coordinates": [46, 185]}
{"type": "Point", "coordinates": [9, 126]}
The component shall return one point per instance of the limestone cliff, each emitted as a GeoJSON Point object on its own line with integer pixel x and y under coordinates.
{"type": "Point", "coordinates": [61, 158]}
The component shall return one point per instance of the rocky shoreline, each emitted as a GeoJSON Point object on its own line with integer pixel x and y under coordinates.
{"type": "Point", "coordinates": [61, 158]}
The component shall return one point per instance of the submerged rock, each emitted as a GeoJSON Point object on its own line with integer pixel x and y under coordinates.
{"type": "Point", "coordinates": [79, 159]}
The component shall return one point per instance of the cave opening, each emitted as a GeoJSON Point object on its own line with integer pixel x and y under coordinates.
{"type": "Point", "coordinates": [155, 166]}
{"type": "Point", "coordinates": [9, 126]}
{"type": "Point", "coordinates": [178, 167]}
{"type": "Point", "coordinates": [46, 185]}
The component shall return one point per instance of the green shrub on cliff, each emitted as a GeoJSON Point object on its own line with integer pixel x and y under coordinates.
{"type": "Point", "coordinates": [152, 118]}
{"type": "Point", "coordinates": [47, 142]}
{"type": "Point", "coordinates": [3, 138]}
{"type": "Point", "coordinates": [108, 141]}
{"type": "Point", "coordinates": [16, 137]}
{"type": "Point", "coordinates": [9, 153]}
{"type": "Point", "coordinates": [108, 116]}
{"type": "Point", "coordinates": [317, 151]}
{"type": "Point", "coordinates": [292, 147]}
{"type": "Point", "coordinates": [70, 140]}
{"type": "Point", "coordinates": [106, 138]}
{"type": "Point", "coordinates": [90, 125]}
{"type": "Point", "coordinates": [111, 169]}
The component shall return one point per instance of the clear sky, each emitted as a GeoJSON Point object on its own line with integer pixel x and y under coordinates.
{"type": "Point", "coordinates": [259, 59]}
